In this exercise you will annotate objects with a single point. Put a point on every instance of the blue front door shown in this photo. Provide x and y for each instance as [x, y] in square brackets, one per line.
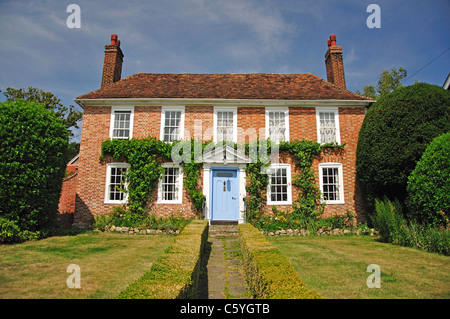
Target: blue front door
[225, 194]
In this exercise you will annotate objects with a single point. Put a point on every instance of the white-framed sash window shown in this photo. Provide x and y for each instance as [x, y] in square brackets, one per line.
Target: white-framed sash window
[225, 124]
[331, 183]
[116, 183]
[279, 190]
[277, 124]
[172, 123]
[327, 120]
[170, 188]
[122, 118]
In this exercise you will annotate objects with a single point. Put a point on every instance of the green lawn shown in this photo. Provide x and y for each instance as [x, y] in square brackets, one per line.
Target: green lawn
[108, 263]
[336, 267]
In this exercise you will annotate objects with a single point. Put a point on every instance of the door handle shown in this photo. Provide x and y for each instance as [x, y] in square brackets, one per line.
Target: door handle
[233, 197]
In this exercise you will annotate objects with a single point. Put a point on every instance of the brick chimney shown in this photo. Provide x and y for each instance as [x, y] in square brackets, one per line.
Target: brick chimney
[112, 67]
[334, 63]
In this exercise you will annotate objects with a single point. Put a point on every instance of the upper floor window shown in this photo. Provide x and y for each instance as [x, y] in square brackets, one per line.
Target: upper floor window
[116, 183]
[328, 125]
[277, 124]
[172, 124]
[225, 124]
[121, 122]
[279, 189]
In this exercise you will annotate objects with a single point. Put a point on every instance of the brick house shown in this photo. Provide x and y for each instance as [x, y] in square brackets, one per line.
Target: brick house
[215, 107]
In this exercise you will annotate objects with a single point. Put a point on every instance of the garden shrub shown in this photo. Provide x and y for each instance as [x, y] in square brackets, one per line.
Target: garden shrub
[33, 147]
[389, 221]
[175, 274]
[429, 184]
[394, 228]
[269, 273]
[395, 132]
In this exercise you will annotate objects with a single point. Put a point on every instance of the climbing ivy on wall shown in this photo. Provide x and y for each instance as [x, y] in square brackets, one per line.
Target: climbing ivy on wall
[146, 156]
[307, 207]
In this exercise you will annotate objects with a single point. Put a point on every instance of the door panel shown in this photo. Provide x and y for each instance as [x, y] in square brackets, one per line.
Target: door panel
[225, 195]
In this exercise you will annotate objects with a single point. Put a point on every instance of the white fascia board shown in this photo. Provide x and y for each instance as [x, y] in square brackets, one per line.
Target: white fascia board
[221, 102]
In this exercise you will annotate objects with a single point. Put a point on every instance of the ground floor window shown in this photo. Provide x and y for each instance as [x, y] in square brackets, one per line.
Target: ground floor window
[331, 183]
[279, 188]
[116, 183]
[171, 184]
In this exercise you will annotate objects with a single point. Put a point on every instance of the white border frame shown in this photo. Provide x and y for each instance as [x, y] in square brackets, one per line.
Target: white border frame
[180, 185]
[107, 182]
[235, 126]
[163, 120]
[286, 120]
[289, 184]
[335, 110]
[341, 182]
[112, 119]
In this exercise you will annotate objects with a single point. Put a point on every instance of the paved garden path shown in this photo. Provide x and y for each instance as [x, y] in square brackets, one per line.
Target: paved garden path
[222, 275]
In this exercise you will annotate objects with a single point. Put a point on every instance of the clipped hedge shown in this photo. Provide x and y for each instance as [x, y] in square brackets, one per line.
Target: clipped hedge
[269, 273]
[429, 184]
[175, 274]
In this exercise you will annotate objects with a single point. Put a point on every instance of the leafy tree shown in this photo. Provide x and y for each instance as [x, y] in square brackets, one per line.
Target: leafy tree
[395, 133]
[69, 116]
[387, 83]
[33, 146]
[429, 184]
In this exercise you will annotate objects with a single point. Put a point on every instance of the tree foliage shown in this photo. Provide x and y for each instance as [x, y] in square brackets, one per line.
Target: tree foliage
[33, 146]
[395, 133]
[429, 184]
[68, 115]
[387, 83]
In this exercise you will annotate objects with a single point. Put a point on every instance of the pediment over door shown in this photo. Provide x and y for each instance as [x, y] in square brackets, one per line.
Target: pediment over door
[225, 154]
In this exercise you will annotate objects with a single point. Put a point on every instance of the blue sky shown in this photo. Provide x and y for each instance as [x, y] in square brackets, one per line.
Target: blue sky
[233, 36]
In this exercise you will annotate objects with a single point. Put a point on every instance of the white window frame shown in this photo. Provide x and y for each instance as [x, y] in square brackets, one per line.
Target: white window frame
[226, 109]
[114, 109]
[334, 110]
[164, 109]
[341, 199]
[289, 185]
[180, 185]
[108, 182]
[284, 110]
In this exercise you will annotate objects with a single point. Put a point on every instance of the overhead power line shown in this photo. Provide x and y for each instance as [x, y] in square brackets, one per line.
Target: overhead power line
[426, 65]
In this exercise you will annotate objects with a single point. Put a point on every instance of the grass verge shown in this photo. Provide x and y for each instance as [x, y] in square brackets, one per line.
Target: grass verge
[336, 267]
[108, 263]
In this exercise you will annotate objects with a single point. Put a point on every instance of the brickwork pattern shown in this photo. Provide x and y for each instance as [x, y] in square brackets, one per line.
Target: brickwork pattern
[147, 120]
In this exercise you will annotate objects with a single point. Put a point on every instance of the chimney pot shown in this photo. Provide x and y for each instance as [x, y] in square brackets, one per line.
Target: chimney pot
[114, 39]
[332, 40]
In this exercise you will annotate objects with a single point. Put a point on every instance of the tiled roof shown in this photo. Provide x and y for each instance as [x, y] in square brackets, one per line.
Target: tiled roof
[224, 86]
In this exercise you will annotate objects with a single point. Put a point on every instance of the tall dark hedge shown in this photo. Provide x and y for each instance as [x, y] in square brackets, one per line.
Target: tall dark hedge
[395, 133]
[429, 184]
[33, 147]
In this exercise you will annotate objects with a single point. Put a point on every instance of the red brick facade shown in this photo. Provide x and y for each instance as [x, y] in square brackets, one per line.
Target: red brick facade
[302, 95]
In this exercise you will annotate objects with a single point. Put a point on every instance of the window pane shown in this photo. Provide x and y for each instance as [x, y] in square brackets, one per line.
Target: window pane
[117, 183]
[170, 182]
[122, 124]
[327, 127]
[330, 180]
